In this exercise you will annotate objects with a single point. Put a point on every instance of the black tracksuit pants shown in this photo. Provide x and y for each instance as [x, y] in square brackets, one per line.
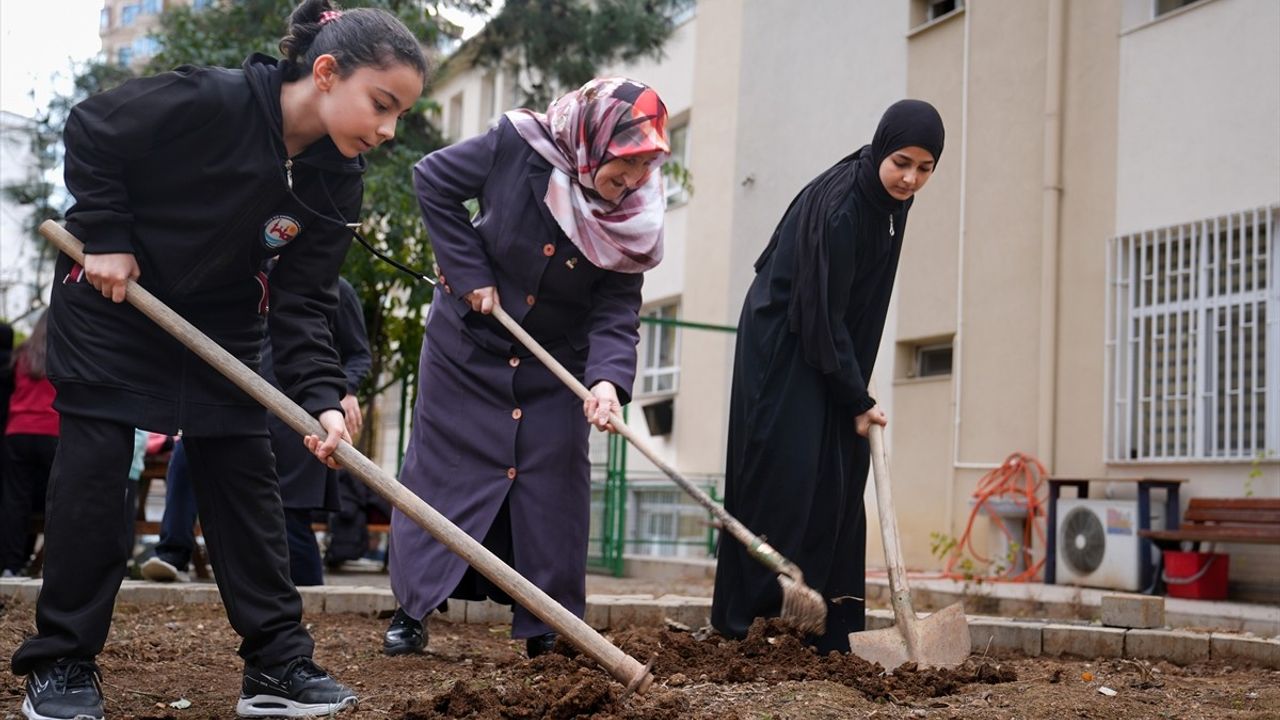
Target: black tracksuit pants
[87, 523]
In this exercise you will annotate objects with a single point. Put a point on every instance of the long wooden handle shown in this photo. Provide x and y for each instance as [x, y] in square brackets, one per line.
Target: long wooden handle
[899, 591]
[760, 549]
[621, 666]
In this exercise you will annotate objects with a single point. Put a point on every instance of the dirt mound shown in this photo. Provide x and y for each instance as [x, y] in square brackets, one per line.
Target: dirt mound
[564, 684]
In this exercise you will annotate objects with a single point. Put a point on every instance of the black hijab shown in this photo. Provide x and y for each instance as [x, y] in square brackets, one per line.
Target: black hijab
[906, 123]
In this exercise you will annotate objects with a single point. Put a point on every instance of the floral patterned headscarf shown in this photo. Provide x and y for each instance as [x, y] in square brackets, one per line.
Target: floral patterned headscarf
[605, 119]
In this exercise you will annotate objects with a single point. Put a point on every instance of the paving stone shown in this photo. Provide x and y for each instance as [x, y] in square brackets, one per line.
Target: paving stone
[148, 593]
[487, 612]
[693, 612]
[312, 600]
[879, 619]
[1128, 610]
[456, 612]
[998, 636]
[633, 611]
[199, 594]
[597, 613]
[1086, 641]
[362, 600]
[1179, 647]
[1236, 648]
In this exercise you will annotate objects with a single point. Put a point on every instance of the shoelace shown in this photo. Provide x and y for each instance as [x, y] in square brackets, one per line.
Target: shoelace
[305, 667]
[76, 674]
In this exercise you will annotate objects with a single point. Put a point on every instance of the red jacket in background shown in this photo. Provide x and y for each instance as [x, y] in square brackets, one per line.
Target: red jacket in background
[31, 405]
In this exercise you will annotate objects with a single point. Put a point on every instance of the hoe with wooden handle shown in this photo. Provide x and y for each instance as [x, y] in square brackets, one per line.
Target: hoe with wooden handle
[624, 668]
[939, 640]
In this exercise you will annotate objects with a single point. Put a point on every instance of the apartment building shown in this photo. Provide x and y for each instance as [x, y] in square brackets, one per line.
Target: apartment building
[1096, 153]
[126, 26]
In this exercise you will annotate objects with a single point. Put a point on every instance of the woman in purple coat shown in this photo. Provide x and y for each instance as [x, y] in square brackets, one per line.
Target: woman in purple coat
[571, 213]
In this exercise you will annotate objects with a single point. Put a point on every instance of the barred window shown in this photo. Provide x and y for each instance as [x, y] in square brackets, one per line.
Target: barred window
[1193, 341]
[659, 350]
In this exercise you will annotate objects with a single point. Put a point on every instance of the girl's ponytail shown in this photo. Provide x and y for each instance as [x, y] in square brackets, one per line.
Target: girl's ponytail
[355, 38]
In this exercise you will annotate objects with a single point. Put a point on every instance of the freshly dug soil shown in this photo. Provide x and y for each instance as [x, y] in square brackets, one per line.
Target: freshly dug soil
[161, 655]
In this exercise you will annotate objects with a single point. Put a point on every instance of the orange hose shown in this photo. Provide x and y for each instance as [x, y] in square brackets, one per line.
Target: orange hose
[1020, 479]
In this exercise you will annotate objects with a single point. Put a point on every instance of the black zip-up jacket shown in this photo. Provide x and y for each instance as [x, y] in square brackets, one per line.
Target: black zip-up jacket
[188, 171]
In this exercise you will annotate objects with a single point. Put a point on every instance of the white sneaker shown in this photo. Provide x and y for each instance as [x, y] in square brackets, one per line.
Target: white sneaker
[158, 570]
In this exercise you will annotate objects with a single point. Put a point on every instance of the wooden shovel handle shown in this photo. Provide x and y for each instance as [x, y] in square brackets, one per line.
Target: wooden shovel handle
[759, 549]
[621, 666]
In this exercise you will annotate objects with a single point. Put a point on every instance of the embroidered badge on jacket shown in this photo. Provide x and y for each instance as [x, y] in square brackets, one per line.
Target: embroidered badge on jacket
[280, 230]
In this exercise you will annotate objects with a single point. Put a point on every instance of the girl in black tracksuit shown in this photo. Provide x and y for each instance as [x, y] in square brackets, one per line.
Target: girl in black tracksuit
[187, 181]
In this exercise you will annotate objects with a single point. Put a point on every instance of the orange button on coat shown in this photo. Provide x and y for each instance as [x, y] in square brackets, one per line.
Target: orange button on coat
[514, 362]
[548, 249]
[517, 414]
[511, 473]
[530, 300]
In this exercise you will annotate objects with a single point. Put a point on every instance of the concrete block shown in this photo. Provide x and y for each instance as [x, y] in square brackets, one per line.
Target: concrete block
[1242, 648]
[488, 612]
[1128, 610]
[312, 600]
[148, 593]
[457, 612]
[597, 613]
[199, 594]
[361, 600]
[1179, 647]
[636, 613]
[879, 619]
[997, 636]
[22, 589]
[1086, 641]
[692, 612]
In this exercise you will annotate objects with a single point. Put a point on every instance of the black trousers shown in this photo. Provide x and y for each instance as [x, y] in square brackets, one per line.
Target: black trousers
[305, 567]
[87, 524]
[27, 460]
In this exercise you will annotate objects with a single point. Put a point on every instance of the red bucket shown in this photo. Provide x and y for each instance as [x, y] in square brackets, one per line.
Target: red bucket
[1196, 575]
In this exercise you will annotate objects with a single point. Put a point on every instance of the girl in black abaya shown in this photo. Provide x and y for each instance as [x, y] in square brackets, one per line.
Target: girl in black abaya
[800, 410]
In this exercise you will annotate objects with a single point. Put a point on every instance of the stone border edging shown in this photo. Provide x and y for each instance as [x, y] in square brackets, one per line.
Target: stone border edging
[988, 634]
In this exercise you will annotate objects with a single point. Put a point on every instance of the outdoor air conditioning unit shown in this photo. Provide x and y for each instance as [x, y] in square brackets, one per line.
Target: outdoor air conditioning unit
[1098, 543]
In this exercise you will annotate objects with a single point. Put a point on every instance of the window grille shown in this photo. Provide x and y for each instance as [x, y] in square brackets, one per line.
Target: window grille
[1193, 341]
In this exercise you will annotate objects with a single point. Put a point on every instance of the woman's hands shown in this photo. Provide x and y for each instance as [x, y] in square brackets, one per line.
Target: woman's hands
[863, 422]
[110, 273]
[336, 426]
[603, 403]
[481, 300]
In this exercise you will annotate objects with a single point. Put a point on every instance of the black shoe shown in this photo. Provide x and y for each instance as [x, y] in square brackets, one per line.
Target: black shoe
[298, 689]
[64, 690]
[535, 646]
[405, 635]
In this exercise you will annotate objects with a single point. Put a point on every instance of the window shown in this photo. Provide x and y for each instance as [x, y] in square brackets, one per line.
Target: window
[1168, 6]
[124, 56]
[146, 46]
[668, 523]
[200, 4]
[128, 14]
[151, 7]
[104, 19]
[455, 117]
[676, 169]
[1193, 347]
[659, 373]
[681, 11]
[926, 11]
[922, 358]
[488, 100]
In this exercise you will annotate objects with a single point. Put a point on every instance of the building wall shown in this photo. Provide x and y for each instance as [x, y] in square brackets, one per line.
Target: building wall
[1199, 114]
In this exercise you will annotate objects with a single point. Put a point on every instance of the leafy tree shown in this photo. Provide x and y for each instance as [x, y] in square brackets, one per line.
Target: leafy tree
[553, 44]
[42, 191]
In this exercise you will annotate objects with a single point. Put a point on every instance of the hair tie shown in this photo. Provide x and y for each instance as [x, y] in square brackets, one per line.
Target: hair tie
[329, 16]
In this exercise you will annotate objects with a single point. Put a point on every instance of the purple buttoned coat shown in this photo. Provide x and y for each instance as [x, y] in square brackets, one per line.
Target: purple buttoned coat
[499, 444]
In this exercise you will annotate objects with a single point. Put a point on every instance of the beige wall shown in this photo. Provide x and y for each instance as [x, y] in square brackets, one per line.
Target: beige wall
[1199, 114]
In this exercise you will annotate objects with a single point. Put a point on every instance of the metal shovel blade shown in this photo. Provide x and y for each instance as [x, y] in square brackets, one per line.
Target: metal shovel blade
[939, 640]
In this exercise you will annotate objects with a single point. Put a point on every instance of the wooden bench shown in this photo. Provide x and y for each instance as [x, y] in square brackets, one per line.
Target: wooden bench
[1223, 520]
